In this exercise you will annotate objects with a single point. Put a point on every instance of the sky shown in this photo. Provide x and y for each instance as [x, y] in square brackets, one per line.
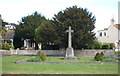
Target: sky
[104, 10]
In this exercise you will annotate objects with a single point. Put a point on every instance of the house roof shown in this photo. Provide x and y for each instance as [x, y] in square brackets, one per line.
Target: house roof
[117, 26]
[9, 35]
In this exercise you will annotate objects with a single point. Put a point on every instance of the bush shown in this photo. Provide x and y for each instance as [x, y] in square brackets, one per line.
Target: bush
[40, 57]
[112, 45]
[102, 54]
[7, 46]
[99, 56]
[117, 52]
[43, 57]
[39, 53]
[97, 45]
[36, 59]
[109, 59]
[105, 46]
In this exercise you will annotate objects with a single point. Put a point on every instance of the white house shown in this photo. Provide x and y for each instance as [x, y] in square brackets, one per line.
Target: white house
[109, 35]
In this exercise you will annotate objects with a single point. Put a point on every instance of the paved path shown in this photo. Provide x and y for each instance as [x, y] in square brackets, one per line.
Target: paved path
[4, 56]
[63, 63]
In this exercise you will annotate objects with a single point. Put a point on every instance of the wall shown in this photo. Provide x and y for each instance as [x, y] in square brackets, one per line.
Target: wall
[103, 38]
[80, 53]
[112, 34]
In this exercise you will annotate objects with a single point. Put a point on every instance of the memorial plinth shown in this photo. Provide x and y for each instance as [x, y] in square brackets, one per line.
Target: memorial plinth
[69, 50]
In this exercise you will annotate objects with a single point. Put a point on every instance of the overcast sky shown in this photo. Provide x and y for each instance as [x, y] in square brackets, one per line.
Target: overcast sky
[104, 10]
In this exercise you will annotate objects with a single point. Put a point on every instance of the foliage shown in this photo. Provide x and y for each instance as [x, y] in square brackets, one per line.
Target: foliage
[81, 21]
[105, 59]
[7, 46]
[117, 52]
[99, 56]
[112, 45]
[39, 53]
[40, 57]
[35, 59]
[105, 46]
[97, 45]
[46, 34]
[3, 31]
[102, 54]
[26, 29]
[43, 56]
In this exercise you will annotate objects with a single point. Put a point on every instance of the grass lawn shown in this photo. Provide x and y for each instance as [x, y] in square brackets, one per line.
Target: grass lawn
[11, 68]
[0, 55]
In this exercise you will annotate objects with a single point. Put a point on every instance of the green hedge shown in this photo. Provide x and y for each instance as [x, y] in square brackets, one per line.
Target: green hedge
[97, 45]
[106, 46]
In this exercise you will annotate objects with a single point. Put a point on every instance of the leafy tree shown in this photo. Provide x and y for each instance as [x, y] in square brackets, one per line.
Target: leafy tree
[46, 34]
[82, 22]
[26, 29]
[3, 31]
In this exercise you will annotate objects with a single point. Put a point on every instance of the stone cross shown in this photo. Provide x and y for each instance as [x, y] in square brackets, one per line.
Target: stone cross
[69, 50]
[69, 36]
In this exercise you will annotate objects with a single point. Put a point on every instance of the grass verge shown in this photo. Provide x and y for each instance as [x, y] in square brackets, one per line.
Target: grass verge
[8, 67]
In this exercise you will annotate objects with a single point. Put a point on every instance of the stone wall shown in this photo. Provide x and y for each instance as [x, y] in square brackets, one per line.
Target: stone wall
[92, 53]
[80, 53]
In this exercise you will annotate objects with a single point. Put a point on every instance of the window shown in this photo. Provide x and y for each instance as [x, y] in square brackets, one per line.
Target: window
[100, 33]
[104, 33]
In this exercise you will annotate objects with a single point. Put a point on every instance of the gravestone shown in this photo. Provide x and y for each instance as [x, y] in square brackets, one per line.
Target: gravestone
[69, 50]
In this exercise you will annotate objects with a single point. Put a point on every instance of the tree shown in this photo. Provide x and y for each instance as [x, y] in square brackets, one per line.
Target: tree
[81, 21]
[26, 29]
[3, 31]
[46, 35]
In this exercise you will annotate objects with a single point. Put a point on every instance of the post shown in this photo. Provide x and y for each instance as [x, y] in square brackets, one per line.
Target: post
[119, 26]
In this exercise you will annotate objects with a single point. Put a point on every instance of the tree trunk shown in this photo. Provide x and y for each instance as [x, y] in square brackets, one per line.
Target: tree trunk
[36, 46]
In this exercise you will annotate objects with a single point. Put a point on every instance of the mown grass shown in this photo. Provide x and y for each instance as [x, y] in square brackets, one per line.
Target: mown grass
[12, 68]
[0, 55]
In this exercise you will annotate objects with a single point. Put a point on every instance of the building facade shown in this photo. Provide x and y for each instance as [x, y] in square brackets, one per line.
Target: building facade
[109, 35]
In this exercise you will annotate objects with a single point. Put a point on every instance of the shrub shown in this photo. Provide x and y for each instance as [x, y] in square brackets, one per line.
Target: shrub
[39, 53]
[7, 46]
[40, 57]
[105, 46]
[102, 54]
[43, 56]
[97, 45]
[117, 52]
[99, 56]
[36, 59]
[112, 45]
[109, 59]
